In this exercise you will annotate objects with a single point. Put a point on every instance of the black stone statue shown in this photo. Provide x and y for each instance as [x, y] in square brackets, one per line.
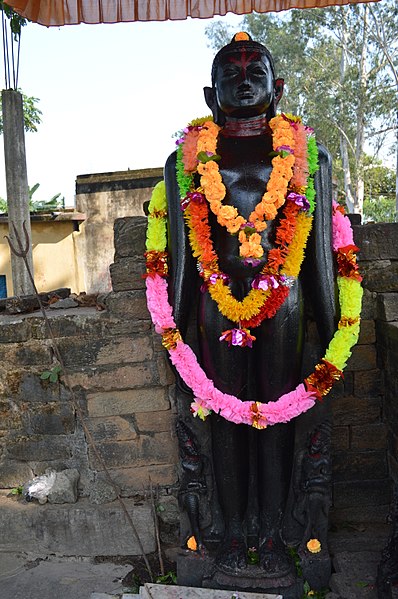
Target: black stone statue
[252, 469]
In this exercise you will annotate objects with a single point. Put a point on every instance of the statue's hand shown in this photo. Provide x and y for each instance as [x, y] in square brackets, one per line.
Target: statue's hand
[181, 385]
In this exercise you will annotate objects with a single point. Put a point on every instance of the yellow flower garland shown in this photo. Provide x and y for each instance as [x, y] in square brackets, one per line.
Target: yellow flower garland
[273, 198]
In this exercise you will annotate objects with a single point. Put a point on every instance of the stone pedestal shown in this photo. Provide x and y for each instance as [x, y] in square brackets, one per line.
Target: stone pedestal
[198, 571]
[159, 591]
[316, 568]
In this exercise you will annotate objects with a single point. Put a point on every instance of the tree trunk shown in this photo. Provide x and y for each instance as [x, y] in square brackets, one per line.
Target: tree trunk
[348, 189]
[349, 196]
[17, 186]
[359, 142]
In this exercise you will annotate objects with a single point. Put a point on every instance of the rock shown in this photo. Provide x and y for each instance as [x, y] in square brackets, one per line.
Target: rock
[168, 510]
[80, 529]
[64, 489]
[21, 305]
[62, 304]
[101, 491]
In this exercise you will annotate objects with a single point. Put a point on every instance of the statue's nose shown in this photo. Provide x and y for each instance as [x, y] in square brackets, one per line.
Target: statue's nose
[244, 83]
[243, 78]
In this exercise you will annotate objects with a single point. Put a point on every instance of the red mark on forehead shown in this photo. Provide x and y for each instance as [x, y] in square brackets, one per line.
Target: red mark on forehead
[245, 59]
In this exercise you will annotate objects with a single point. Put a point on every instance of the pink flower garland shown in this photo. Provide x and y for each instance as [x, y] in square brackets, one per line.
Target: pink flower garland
[342, 231]
[207, 396]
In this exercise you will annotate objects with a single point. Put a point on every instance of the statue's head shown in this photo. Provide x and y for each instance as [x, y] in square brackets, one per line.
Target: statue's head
[243, 81]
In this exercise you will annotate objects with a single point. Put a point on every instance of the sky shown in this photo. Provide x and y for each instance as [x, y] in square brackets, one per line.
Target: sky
[112, 96]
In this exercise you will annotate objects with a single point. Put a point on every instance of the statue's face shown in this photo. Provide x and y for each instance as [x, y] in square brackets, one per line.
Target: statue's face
[244, 83]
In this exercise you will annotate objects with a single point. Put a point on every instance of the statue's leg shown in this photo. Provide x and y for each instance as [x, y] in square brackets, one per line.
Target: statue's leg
[278, 359]
[227, 367]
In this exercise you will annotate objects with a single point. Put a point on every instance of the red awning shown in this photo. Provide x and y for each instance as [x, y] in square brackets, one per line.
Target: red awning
[73, 12]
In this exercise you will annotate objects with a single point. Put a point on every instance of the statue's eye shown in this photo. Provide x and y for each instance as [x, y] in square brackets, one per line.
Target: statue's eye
[257, 70]
[230, 71]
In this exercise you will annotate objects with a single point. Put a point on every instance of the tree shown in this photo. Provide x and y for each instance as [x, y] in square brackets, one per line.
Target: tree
[31, 113]
[12, 41]
[339, 78]
[379, 196]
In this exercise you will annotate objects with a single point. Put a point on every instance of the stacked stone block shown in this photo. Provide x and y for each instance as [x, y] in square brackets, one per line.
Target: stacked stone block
[121, 379]
[124, 384]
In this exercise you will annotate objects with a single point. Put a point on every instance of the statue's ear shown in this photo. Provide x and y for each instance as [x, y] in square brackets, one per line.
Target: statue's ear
[279, 85]
[211, 101]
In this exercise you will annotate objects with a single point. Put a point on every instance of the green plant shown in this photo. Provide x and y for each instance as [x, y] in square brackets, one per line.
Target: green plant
[52, 375]
[296, 559]
[252, 556]
[16, 21]
[308, 592]
[134, 587]
[17, 490]
[169, 577]
[31, 113]
[379, 210]
[56, 202]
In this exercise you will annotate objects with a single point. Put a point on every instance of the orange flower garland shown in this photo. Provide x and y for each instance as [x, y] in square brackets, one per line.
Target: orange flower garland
[254, 307]
[273, 198]
[271, 286]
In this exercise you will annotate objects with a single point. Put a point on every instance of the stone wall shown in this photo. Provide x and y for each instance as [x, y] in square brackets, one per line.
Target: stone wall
[362, 467]
[120, 377]
[361, 463]
[122, 380]
[105, 197]
[380, 266]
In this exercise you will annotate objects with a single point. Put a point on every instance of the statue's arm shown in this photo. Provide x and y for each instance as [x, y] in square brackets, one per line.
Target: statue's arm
[182, 279]
[318, 267]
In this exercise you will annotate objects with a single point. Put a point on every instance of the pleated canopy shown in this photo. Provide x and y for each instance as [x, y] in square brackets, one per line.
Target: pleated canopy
[73, 12]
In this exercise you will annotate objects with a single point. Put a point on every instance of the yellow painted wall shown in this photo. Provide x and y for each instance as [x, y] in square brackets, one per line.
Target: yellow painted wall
[54, 256]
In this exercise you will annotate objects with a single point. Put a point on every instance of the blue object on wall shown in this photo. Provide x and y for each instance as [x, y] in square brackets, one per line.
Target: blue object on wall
[3, 286]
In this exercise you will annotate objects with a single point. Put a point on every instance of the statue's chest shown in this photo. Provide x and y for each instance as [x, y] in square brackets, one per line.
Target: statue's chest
[245, 169]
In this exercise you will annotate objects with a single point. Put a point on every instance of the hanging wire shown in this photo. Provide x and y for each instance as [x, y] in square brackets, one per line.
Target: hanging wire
[17, 69]
[5, 51]
[11, 44]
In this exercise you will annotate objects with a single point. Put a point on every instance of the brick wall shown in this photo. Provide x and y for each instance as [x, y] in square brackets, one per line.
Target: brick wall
[362, 425]
[120, 375]
[125, 386]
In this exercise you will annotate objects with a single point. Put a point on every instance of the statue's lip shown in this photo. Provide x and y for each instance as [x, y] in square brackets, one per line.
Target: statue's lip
[244, 94]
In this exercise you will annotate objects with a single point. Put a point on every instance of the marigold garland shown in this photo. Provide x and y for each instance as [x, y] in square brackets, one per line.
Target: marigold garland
[288, 137]
[284, 261]
[259, 415]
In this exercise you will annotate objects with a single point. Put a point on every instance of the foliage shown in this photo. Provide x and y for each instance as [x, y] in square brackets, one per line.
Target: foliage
[379, 180]
[54, 203]
[296, 560]
[379, 203]
[16, 21]
[134, 586]
[308, 592]
[169, 577]
[341, 71]
[380, 210]
[52, 375]
[57, 202]
[31, 112]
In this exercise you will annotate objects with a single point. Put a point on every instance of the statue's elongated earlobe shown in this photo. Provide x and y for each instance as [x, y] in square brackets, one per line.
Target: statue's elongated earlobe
[279, 85]
[211, 101]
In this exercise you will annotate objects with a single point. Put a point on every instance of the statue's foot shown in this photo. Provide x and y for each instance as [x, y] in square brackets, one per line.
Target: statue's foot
[232, 556]
[275, 561]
